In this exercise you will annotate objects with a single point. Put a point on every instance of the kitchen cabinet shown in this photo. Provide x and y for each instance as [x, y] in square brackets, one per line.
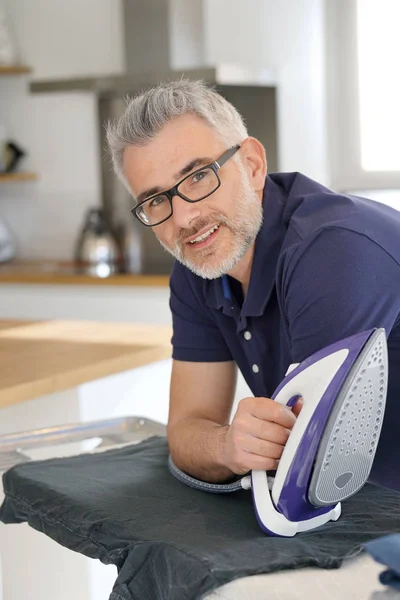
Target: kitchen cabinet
[55, 290]
[99, 302]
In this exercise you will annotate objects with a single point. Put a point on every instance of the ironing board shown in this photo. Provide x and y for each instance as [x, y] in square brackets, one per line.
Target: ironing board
[357, 578]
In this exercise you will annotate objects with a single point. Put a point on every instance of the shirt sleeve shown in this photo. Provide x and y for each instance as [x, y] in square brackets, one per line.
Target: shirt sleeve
[196, 336]
[341, 284]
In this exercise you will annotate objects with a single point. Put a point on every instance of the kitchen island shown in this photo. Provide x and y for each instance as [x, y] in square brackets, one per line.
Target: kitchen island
[39, 358]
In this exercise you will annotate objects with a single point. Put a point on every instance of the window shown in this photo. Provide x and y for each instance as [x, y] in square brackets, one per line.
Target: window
[378, 44]
[363, 77]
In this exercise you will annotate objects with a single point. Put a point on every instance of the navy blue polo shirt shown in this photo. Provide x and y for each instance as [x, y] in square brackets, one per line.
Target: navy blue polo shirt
[326, 266]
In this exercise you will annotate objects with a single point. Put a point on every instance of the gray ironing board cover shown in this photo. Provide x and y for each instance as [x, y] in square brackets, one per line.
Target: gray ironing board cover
[170, 541]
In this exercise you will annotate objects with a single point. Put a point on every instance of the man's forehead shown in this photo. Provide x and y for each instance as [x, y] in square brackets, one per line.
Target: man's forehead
[184, 133]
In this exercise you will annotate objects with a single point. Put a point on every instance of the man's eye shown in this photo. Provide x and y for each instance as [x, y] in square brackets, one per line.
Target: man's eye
[199, 176]
[157, 201]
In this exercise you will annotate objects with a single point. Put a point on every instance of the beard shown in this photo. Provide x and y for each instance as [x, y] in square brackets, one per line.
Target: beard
[243, 226]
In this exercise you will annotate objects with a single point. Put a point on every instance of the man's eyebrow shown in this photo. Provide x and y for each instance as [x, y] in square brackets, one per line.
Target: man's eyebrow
[196, 162]
[148, 193]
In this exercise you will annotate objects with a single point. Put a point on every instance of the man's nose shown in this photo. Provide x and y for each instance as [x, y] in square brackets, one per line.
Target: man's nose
[184, 212]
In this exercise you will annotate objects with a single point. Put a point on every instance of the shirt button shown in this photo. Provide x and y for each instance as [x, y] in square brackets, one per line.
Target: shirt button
[247, 335]
[255, 368]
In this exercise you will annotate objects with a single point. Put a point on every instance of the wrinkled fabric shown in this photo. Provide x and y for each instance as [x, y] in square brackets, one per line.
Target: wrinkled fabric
[386, 550]
[169, 541]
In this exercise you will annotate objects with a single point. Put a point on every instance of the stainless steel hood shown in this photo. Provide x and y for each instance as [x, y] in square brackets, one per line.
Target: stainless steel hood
[122, 84]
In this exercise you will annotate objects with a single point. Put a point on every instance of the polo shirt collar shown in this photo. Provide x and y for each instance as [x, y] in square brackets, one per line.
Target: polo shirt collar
[266, 252]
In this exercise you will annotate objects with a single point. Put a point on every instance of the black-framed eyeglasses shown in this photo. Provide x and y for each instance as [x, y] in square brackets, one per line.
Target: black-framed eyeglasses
[194, 187]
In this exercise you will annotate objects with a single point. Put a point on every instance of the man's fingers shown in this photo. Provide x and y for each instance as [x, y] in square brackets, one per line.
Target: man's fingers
[259, 463]
[267, 430]
[264, 448]
[269, 410]
[297, 407]
[258, 434]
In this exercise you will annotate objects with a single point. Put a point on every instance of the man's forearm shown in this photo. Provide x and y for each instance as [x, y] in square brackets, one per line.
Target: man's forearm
[197, 448]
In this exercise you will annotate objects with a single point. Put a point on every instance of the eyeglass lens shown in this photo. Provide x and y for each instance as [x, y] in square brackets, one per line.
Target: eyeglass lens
[195, 187]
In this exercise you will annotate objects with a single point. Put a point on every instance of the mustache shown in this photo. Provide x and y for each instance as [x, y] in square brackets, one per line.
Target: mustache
[185, 234]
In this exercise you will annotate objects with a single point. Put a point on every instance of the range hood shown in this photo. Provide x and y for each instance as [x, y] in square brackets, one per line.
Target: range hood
[163, 40]
[223, 74]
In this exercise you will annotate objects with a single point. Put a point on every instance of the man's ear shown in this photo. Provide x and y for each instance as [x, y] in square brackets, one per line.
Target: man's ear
[255, 162]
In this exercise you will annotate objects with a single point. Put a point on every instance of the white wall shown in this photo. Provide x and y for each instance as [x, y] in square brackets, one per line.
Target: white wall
[62, 39]
[289, 37]
[186, 27]
[57, 39]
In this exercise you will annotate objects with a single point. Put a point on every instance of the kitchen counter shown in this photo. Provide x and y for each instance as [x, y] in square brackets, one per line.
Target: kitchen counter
[43, 357]
[64, 273]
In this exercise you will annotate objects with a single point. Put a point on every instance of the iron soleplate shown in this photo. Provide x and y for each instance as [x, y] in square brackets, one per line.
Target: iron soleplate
[348, 445]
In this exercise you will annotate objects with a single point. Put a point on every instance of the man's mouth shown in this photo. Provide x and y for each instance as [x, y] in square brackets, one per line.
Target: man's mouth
[204, 236]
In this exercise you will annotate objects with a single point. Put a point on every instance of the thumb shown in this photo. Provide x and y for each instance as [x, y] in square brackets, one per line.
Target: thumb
[297, 407]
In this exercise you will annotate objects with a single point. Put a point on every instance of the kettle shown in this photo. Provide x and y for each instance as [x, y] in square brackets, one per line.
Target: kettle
[97, 252]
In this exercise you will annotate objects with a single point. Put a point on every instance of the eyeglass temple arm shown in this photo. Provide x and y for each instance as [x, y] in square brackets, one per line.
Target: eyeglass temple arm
[227, 155]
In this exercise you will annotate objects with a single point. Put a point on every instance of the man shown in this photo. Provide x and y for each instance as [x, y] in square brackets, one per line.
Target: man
[269, 269]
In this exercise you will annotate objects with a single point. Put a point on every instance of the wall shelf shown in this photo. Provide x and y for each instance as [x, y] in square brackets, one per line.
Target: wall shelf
[14, 177]
[14, 70]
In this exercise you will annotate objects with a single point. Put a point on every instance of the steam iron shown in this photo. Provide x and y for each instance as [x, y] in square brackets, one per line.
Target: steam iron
[331, 448]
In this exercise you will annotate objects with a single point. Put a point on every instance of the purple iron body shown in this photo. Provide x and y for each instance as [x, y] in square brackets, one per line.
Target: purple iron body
[330, 451]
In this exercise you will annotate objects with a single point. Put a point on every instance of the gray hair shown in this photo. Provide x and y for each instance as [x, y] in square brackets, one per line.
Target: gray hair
[147, 113]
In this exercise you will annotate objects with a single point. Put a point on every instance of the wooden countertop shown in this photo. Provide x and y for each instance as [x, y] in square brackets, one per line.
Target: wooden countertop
[42, 357]
[63, 273]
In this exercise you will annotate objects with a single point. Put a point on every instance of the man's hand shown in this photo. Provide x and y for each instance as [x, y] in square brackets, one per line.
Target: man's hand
[258, 434]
